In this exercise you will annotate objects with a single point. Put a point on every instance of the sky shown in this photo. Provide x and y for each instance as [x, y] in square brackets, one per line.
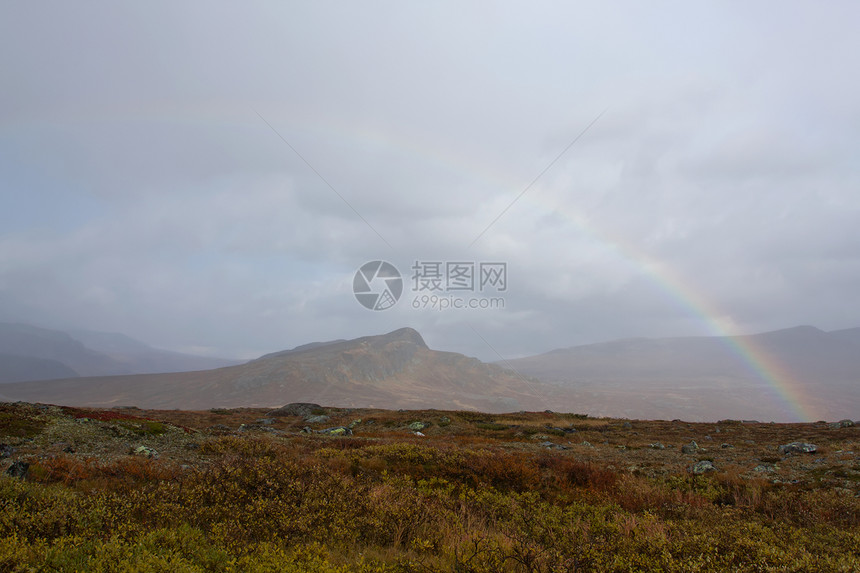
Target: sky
[208, 177]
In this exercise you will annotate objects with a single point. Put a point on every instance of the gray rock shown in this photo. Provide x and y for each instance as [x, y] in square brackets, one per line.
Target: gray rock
[587, 444]
[321, 419]
[841, 424]
[265, 421]
[418, 426]
[18, 470]
[765, 469]
[690, 448]
[337, 431]
[553, 446]
[307, 430]
[702, 467]
[797, 448]
[657, 446]
[146, 451]
[296, 409]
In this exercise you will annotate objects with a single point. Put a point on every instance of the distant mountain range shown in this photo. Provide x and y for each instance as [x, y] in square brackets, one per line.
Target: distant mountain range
[770, 376]
[784, 375]
[32, 353]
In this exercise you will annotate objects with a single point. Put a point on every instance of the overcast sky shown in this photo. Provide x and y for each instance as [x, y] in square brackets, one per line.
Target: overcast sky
[148, 184]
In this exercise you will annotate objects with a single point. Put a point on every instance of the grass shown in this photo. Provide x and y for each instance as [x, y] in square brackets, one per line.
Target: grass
[460, 500]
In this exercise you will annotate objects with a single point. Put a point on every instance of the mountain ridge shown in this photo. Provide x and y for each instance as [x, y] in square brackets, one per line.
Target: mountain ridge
[392, 370]
[772, 375]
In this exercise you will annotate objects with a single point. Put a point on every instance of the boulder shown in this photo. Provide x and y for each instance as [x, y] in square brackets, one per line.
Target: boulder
[146, 451]
[317, 419]
[337, 431]
[702, 467]
[553, 446]
[18, 470]
[797, 448]
[418, 426]
[690, 448]
[297, 409]
[841, 424]
[657, 446]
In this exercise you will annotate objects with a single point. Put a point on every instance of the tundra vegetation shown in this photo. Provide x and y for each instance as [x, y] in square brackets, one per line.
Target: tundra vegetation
[235, 490]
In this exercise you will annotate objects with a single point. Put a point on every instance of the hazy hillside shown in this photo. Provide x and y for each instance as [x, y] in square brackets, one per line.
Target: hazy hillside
[394, 370]
[139, 358]
[23, 340]
[15, 368]
[705, 378]
[32, 353]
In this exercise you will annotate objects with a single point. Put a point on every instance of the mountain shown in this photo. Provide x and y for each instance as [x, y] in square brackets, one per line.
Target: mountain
[756, 376]
[394, 370]
[33, 353]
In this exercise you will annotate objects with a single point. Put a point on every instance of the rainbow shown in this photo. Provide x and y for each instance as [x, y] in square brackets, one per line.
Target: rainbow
[683, 295]
[669, 281]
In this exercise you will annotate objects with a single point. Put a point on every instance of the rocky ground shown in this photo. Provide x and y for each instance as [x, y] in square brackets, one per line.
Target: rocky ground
[812, 455]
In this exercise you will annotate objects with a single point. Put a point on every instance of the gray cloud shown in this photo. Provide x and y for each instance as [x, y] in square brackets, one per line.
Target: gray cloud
[142, 193]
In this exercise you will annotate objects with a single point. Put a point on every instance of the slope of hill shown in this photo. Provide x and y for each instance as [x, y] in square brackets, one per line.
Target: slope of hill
[708, 378]
[395, 370]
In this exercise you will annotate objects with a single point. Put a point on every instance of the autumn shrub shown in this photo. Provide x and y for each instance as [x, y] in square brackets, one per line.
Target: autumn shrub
[568, 471]
[317, 504]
